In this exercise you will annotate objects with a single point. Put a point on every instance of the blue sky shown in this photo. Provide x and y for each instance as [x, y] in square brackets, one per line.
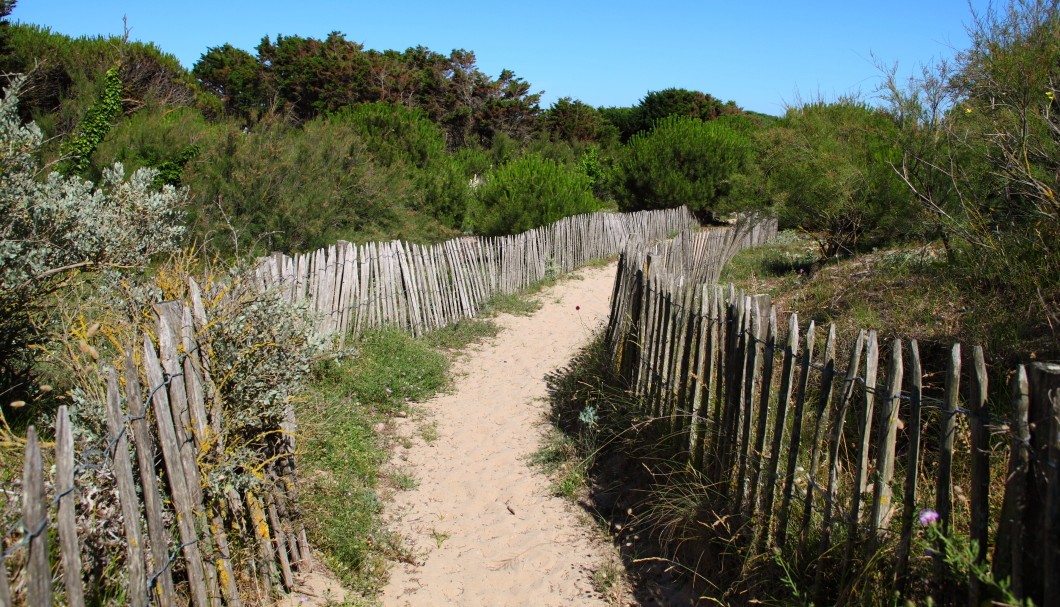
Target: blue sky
[762, 55]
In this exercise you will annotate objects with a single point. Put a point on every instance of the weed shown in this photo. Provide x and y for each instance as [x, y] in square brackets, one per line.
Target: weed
[439, 537]
[403, 480]
[516, 304]
[429, 431]
[607, 577]
[461, 334]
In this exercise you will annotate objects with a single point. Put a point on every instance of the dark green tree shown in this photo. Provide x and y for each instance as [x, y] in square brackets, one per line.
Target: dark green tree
[313, 76]
[571, 120]
[235, 76]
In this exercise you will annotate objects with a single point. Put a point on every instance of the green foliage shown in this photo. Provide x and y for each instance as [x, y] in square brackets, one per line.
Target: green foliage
[169, 171]
[394, 369]
[290, 189]
[829, 170]
[657, 105]
[340, 458]
[527, 193]
[96, 123]
[65, 76]
[571, 120]
[341, 452]
[235, 76]
[980, 143]
[164, 139]
[408, 143]
[682, 161]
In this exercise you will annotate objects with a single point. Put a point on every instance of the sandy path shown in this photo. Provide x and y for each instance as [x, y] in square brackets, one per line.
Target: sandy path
[481, 523]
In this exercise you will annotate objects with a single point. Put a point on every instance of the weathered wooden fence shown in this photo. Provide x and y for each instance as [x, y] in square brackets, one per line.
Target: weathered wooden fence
[163, 414]
[419, 288]
[173, 415]
[827, 462]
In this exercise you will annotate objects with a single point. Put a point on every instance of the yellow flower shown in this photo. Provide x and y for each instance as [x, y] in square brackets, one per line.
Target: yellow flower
[967, 110]
[1050, 95]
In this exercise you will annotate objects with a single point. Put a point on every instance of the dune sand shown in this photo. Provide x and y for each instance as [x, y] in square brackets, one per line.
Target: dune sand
[481, 525]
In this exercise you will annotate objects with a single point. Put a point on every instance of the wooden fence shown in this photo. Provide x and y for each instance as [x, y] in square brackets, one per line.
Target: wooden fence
[172, 409]
[419, 288]
[833, 468]
[207, 546]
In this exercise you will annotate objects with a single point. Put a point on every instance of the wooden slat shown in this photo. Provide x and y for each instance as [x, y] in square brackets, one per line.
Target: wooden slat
[1012, 530]
[176, 475]
[64, 481]
[787, 382]
[170, 317]
[749, 375]
[882, 505]
[163, 592]
[1044, 386]
[980, 469]
[944, 480]
[5, 585]
[836, 435]
[912, 465]
[861, 471]
[35, 518]
[122, 464]
[762, 415]
[795, 444]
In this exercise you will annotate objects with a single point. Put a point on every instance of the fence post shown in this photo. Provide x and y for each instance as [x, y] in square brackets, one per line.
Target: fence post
[765, 390]
[980, 493]
[5, 586]
[145, 457]
[872, 359]
[35, 519]
[912, 464]
[805, 362]
[786, 387]
[178, 482]
[1044, 380]
[64, 487]
[944, 484]
[882, 505]
[836, 435]
[824, 402]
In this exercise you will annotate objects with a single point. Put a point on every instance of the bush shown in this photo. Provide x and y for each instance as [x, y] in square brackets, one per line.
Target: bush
[682, 161]
[527, 193]
[406, 141]
[284, 188]
[59, 225]
[829, 170]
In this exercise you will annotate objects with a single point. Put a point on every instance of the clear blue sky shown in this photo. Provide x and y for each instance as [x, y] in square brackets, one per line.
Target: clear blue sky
[762, 55]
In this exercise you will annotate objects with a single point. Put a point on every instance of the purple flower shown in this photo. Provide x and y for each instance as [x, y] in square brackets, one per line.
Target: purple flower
[928, 517]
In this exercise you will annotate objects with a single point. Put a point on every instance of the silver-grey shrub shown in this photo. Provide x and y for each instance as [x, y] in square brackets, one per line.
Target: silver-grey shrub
[54, 225]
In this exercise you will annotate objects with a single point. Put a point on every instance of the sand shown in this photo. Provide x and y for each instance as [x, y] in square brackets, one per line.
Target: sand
[481, 525]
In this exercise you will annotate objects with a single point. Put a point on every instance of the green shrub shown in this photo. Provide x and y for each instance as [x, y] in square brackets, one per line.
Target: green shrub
[527, 193]
[59, 225]
[682, 161]
[284, 188]
[159, 138]
[830, 171]
[406, 141]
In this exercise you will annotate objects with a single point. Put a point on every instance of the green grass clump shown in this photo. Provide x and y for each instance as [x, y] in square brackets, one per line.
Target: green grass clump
[393, 368]
[339, 472]
[461, 334]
